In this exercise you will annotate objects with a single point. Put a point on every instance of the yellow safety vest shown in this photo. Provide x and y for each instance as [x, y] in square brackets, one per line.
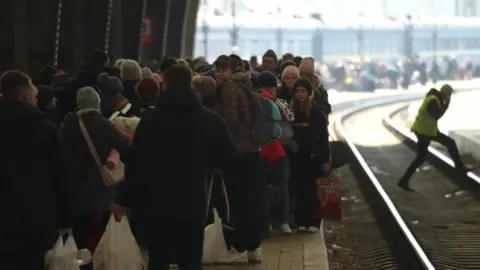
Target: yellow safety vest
[425, 124]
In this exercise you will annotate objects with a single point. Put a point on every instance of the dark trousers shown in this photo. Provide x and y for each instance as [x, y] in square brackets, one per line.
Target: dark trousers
[25, 250]
[264, 208]
[422, 151]
[219, 198]
[88, 230]
[246, 188]
[291, 184]
[304, 190]
[277, 178]
[173, 237]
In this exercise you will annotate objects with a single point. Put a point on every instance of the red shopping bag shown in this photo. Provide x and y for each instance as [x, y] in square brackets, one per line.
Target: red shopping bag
[329, 198]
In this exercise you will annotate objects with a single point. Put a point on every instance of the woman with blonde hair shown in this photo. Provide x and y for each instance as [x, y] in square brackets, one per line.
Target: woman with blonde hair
[312, 159]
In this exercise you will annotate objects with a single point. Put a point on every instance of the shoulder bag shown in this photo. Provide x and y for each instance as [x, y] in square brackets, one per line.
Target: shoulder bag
[110, 177]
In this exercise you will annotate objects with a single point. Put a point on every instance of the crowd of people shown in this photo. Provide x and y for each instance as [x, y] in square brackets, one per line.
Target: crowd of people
[247, 140]
[370, 75]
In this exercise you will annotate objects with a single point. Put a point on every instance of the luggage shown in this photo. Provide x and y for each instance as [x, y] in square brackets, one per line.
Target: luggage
[340, 154]
[118, 249]
[329, 198]
[215, 248]
[66, 256]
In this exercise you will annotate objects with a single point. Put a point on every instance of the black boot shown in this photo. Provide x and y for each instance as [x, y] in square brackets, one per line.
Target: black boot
[405, 186]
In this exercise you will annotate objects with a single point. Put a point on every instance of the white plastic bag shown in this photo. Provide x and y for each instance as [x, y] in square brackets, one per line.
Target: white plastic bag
[214, 246]
[63, 256]
[118, 249]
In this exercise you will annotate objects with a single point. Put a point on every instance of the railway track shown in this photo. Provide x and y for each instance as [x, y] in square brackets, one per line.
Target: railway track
[434, 228]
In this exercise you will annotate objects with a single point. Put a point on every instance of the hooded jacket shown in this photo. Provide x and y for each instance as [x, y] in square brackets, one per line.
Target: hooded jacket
[172, 149]
[433, 108]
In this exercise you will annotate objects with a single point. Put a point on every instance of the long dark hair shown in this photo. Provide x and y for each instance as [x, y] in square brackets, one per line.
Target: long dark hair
[303, 108]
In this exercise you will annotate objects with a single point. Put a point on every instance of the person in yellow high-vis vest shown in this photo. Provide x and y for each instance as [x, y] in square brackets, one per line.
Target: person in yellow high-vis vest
[425, 128]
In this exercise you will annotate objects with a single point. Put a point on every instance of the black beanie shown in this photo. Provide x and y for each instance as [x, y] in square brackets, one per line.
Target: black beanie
[272, 54]
[235, 63]
[267, 79]
[167, 63]
[302, 82]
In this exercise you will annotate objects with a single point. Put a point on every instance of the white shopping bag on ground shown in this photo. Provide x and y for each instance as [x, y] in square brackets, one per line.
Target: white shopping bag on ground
[118, 249]
[214, 246]
[63, 256]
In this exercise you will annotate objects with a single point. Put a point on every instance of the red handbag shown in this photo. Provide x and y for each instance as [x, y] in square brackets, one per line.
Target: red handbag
[329, 198]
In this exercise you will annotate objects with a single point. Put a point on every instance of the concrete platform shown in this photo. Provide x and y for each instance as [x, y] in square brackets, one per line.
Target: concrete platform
[307, 251]
[460, 122]
[291, 252]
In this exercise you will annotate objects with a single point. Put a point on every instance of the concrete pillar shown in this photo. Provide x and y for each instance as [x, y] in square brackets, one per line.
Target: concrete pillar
[6, 37]
[175, 26]
[156, 11]
[189, 30]
[20, 34]
[132, 12]
[77, 34]
[116, 37]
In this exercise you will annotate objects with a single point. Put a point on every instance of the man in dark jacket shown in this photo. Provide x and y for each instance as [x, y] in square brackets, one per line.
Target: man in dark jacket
[86, 76]
[35, 185]
[425, 128]
[165, 183]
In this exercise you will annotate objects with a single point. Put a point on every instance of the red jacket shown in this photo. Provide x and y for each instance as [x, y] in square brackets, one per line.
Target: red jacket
[274, 151]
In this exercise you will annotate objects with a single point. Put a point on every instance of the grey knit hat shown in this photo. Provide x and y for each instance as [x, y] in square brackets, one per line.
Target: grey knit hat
[88, 98]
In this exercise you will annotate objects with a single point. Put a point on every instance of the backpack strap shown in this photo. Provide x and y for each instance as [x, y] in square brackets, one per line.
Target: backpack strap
[123, 111]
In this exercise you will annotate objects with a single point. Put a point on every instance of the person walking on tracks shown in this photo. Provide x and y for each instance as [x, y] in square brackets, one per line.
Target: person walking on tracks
[425, 128]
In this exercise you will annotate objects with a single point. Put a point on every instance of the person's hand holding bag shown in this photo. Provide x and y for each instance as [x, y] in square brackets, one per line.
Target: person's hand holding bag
[323, 163]
[325, 167]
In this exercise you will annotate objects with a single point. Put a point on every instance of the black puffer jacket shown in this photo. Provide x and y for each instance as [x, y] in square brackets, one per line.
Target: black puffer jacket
[311, 133]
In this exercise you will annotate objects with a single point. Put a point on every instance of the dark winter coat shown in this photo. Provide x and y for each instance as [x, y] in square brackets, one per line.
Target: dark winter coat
[173, 147]
[36, 186]
[66, 92]
[311, 134]
[91, 194]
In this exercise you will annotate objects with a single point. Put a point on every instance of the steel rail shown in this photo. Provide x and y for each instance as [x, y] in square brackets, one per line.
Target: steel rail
[409, 237]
